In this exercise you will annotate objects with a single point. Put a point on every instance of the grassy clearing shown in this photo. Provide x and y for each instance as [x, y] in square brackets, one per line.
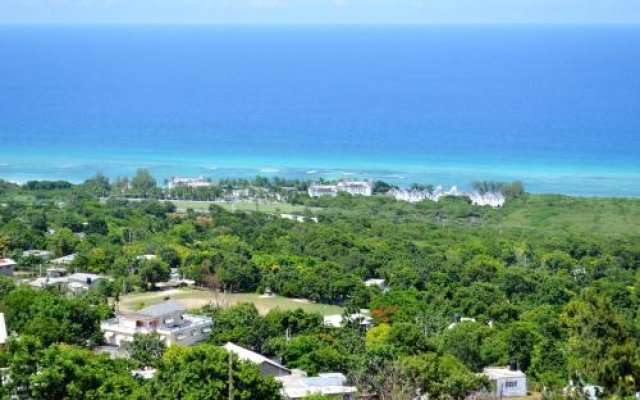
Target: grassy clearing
[600, 216]
[271, 208]
[194, 299]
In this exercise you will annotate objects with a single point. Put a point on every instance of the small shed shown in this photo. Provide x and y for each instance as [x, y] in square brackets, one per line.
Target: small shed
[507, 381]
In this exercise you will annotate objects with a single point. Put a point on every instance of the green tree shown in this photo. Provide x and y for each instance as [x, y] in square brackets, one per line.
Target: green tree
[440, 377]
[146, 349]
[63, 242]
[464, 342]
[143, 182]
[202, 372]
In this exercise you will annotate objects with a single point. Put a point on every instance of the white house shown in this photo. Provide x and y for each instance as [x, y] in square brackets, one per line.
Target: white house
[168, 319]
[506, 381]
[338, 320]
[59, 284]
[381, 283]
[6, 266]
[81, 282]
[3, 330]
[333, 385]
[268, 367]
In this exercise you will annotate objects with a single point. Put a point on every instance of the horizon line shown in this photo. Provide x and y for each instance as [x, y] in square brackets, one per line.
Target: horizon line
[316, 24]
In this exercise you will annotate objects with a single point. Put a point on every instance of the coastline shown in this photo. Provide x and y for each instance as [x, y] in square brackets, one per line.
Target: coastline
[579, 182]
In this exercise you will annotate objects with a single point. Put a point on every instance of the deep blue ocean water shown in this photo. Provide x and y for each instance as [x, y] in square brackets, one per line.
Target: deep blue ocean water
[556, 107]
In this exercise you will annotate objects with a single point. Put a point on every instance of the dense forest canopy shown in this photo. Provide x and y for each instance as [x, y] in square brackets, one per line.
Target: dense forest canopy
[550, 281]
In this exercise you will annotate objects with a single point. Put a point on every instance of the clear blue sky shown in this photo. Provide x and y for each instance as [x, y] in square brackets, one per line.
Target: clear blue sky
[319, 11]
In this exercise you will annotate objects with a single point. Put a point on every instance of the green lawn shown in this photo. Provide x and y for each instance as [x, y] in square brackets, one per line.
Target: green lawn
[194, 299]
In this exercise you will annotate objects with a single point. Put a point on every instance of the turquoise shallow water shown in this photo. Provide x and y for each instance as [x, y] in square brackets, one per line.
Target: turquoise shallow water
[556, 107]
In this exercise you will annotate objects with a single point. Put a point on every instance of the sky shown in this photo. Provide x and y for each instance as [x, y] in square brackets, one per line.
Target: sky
[319, 11]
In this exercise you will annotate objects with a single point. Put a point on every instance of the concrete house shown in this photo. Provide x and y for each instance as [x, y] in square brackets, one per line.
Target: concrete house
[80, 282]
[267, 366]
[168, 319]
[507, 381]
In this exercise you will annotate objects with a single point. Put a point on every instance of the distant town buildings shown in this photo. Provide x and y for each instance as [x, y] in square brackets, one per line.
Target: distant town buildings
[492, 199]
[361, 188]
[168, 319]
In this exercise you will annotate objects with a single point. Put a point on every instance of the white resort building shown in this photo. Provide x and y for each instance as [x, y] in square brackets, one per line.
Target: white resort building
[361, 188]
[168, 319]
[177, 181]
[492, 199]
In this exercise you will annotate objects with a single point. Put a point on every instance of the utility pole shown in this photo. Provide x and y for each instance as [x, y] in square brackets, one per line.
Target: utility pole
[230, 376]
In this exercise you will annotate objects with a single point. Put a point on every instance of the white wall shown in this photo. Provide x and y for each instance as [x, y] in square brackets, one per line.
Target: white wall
[519, 390]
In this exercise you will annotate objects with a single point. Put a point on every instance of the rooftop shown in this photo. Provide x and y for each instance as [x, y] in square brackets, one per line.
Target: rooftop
[250, 356]
[298, 386]
[6, 262]
[162, 309]
[502, 372]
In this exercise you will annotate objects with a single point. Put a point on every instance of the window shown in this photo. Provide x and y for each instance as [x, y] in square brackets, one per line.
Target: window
[512, 384]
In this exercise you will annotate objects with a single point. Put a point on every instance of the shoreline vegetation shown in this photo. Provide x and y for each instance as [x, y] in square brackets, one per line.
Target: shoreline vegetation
[547, 283]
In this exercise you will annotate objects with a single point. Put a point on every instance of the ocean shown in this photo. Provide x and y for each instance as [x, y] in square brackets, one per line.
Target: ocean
[557, 107]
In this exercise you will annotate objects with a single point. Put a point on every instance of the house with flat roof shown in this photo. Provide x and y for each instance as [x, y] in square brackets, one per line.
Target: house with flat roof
[81, 282]
[506, 381]
[268, 367]
[332, 385]
[168, 319]
[66, 260]
[59, 284]
[6, 266]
